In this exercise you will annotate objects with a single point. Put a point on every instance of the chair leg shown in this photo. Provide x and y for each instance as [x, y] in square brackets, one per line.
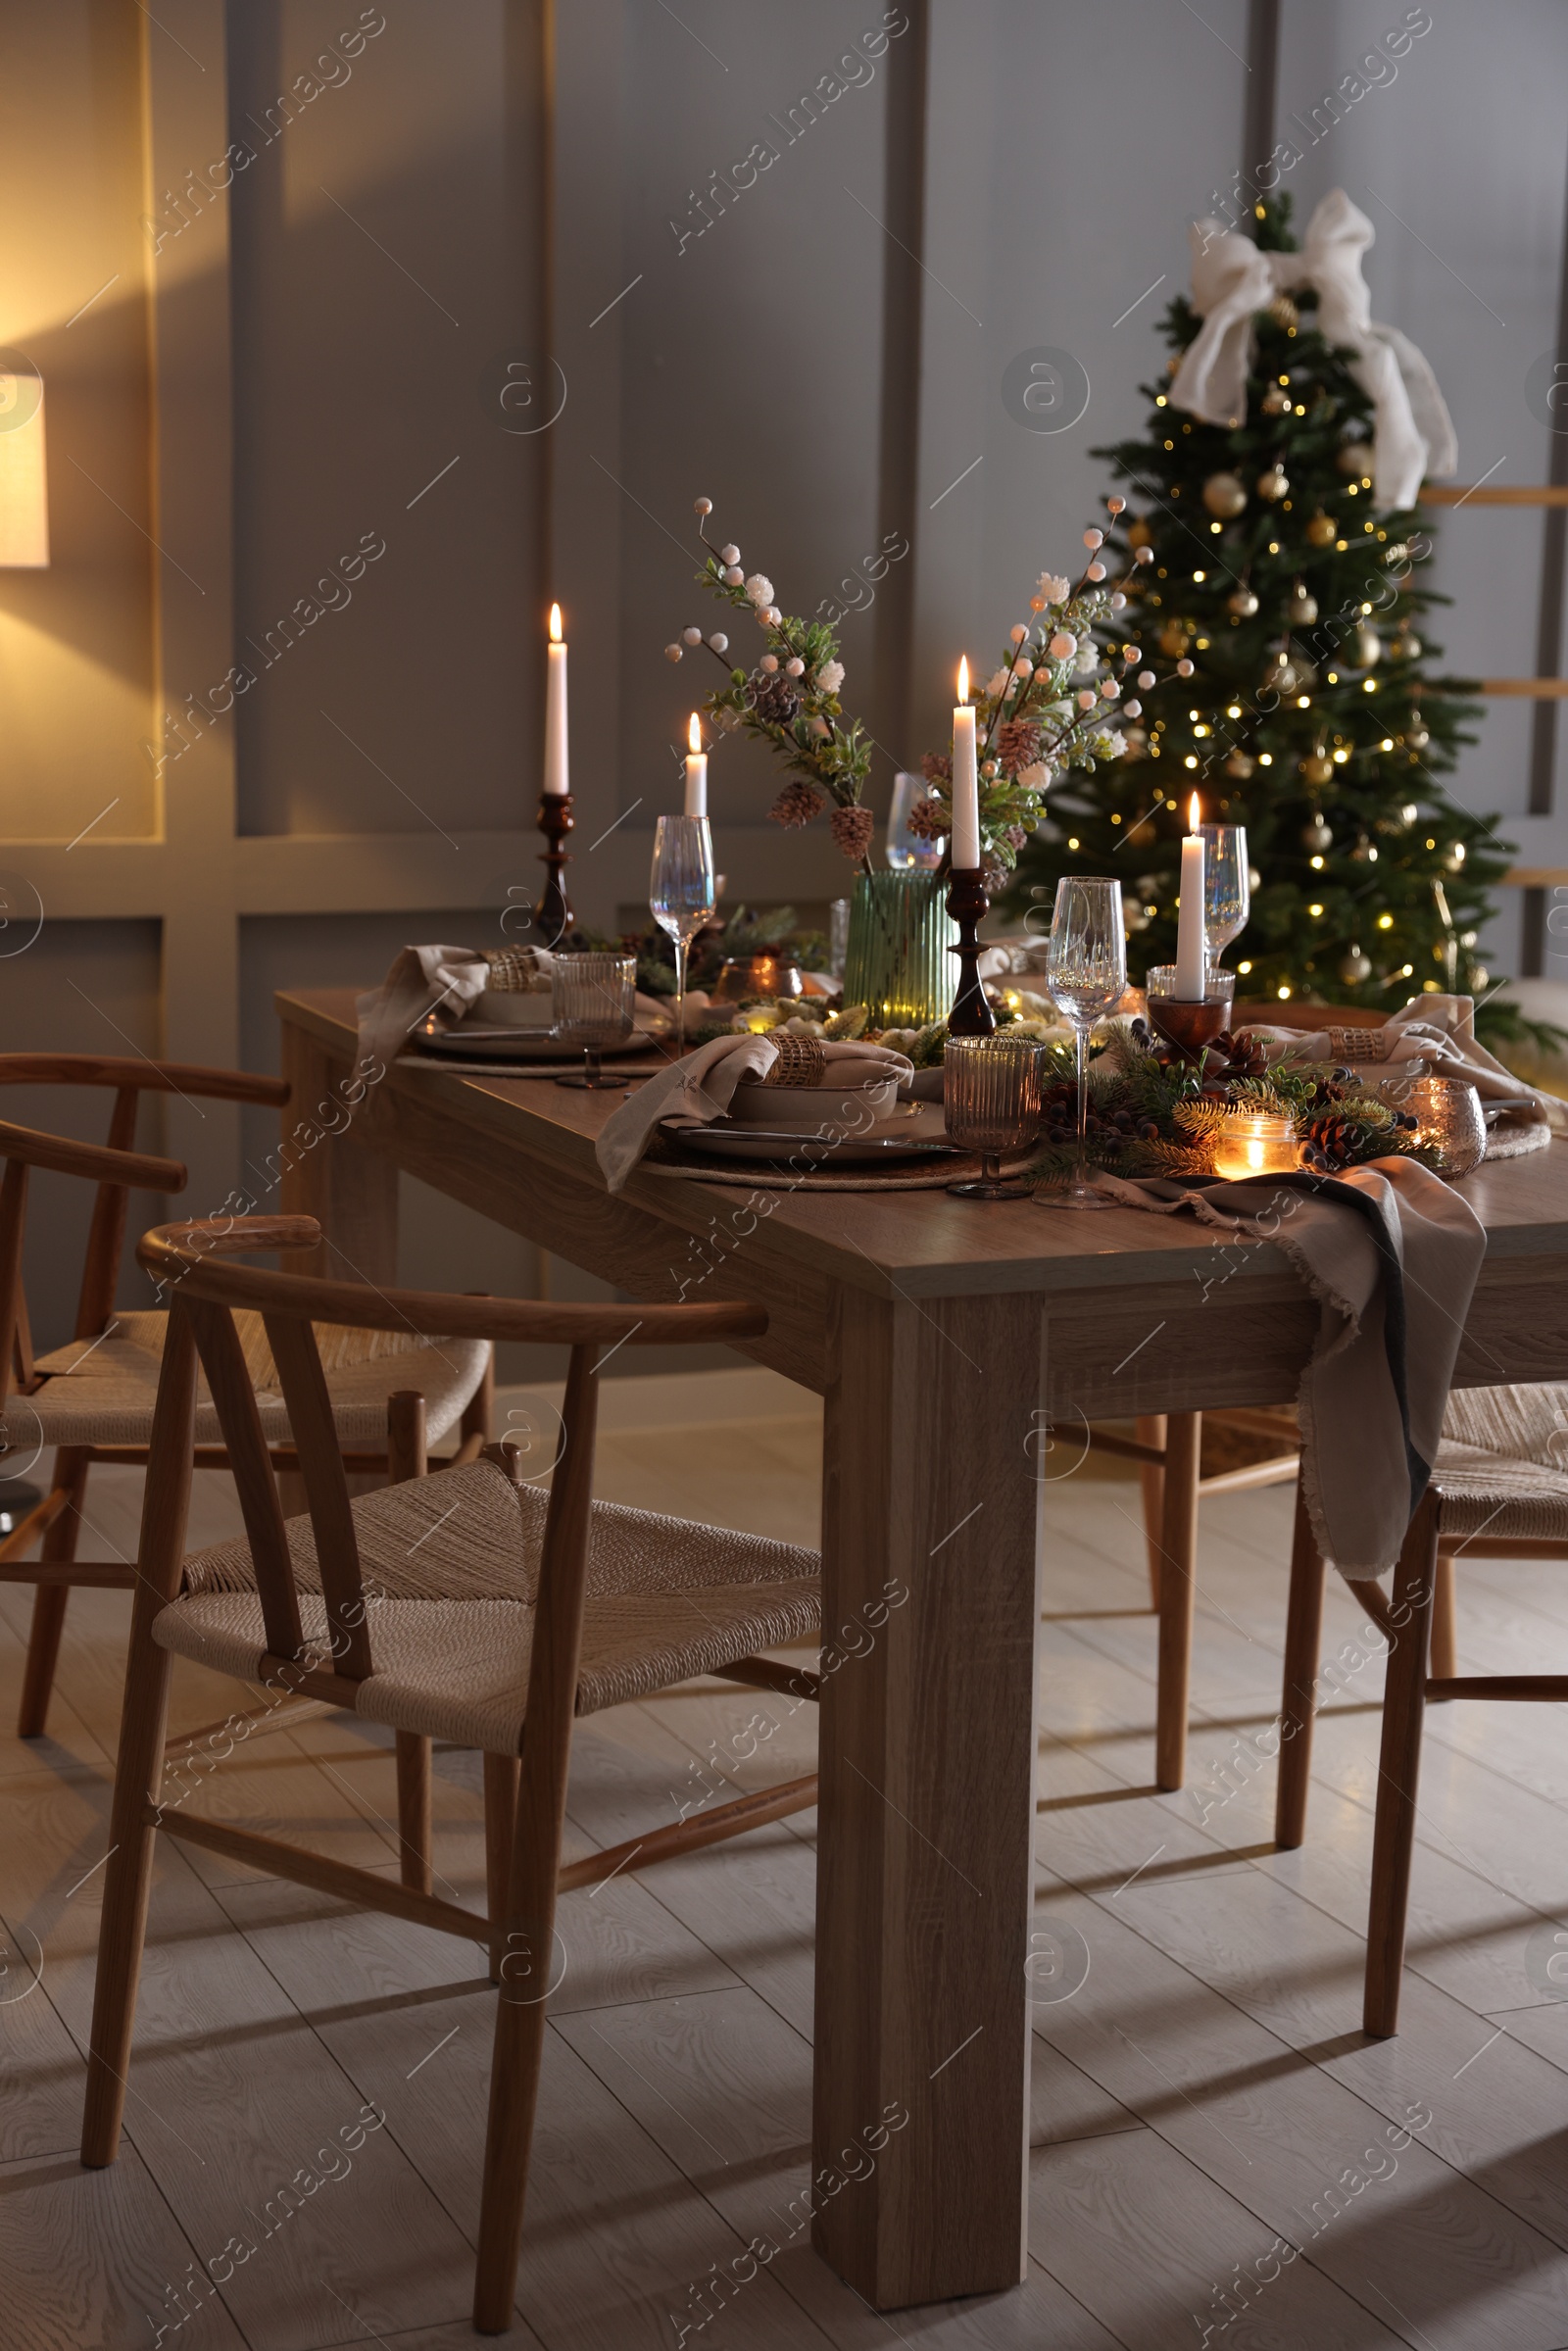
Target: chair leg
[1399, 1769]
[1178, 1563]
[1303, 1633]
[500, 1828]
[138, 1780]
[413, 1810]
[1444, 1644]
[1152, 1431]
[49, 1599]
[525, 1971]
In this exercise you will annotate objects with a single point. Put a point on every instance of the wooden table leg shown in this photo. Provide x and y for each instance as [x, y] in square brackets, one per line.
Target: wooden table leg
[919, 2140]
[1184, 1437]
[349, 1188]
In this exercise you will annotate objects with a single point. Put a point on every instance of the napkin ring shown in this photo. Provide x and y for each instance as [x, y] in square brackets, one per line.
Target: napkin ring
[513, 970]
[1359, 1044]
[798, 1061]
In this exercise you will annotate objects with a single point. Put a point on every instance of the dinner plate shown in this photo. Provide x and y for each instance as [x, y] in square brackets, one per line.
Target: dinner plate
[473, 1042]
[722, 1141]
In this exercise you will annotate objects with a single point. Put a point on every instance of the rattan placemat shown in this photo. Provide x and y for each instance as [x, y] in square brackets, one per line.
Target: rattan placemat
[661, 1160]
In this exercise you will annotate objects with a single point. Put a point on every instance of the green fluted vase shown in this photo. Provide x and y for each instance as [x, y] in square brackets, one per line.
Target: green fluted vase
[896, 961]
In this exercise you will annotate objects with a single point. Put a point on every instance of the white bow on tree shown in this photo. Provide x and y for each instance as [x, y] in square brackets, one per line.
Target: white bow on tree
[1233, 279]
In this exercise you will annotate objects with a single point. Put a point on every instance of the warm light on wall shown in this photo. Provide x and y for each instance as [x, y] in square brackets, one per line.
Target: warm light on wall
[24, 475]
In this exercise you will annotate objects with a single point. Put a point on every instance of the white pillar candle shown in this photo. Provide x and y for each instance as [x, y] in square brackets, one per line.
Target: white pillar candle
[965, 780]
[696, 771]
[1191, 959]
[557, 768]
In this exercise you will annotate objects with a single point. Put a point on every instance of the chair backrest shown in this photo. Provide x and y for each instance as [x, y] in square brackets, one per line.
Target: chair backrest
[204, 1289]
[116, 1169]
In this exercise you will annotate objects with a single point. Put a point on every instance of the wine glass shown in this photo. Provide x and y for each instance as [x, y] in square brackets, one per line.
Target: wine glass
[594, 1005]
[906, 852]
[1227, 889]
[1086, 971]
[681, 893]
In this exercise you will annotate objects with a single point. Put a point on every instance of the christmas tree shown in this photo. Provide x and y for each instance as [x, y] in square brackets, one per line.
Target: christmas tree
[1311, 714]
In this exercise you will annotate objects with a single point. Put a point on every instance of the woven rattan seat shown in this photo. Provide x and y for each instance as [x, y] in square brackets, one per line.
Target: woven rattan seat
[1502, 1468]
[102, 1391]
[451, 1566]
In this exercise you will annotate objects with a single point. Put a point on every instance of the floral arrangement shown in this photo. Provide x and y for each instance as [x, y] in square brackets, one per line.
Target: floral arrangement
[1049, 706]
[1151, 1112]
[789, 700]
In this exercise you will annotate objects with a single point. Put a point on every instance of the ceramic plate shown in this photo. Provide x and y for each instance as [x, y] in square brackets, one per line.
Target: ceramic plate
[477, 1043]
[722, 1141]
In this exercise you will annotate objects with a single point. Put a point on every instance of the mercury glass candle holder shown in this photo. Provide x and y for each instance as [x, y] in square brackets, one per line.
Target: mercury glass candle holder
[1254, 1142]
[1448, 1114]
[991, 1105]
[1189, 1024]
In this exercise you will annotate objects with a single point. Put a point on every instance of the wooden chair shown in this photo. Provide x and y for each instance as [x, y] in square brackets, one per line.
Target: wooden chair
[92, 1400]
[459, 1605]
[1499, 1486]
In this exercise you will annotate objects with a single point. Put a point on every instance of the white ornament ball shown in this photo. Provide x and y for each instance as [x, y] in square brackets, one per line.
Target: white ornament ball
[1183, 668]
[672, 653]
[769, 662]
[1017, 632]
[1094, 538]
[1146, 678]
[718, 641]
[1094, 572]
[1108, 689]
[1064, 645]
[770, 615]
[1133, 708]
[729, 554]
[734, 576]
[1145, 554]
[702, 506]
[1087, 700]
[691, 636]
[795, 667]
[1118, 602]
[1116, 506]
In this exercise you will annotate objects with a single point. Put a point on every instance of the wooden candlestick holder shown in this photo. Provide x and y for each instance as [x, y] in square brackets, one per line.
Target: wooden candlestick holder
[968, 904]
[1189, 1023]
[552, 915]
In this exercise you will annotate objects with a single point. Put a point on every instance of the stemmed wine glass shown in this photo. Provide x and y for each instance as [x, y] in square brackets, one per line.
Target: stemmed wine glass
[1086, 971]
[595, 1006]
[1227, 887]
[680, 893]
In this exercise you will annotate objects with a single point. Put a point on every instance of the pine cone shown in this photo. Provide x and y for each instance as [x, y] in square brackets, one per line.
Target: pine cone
[1247, 1056]
[773, 697]
[1018, 743]
[1328, 1141]
[796, 804]
[851, 829]
[937, 767]
[927, 820]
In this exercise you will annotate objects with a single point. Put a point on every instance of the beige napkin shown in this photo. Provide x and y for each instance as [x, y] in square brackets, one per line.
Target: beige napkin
[700, 1086]
[1391, 1253]
[1438, 1030]
[445, 981]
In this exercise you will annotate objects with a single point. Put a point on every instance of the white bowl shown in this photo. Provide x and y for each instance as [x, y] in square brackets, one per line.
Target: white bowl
[802, 1109]
[512, 1008]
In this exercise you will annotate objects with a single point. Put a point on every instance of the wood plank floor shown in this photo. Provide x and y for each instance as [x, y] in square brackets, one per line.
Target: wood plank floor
[1218, 2155]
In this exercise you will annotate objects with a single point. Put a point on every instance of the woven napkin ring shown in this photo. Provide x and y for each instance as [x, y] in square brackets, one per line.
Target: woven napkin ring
[800, 1062]
[512, 970]
[1359, 1044]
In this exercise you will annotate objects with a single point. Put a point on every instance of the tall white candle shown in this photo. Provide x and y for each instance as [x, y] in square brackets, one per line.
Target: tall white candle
[1191, 960]
[557, 768]
[696, 771]
[965, 780]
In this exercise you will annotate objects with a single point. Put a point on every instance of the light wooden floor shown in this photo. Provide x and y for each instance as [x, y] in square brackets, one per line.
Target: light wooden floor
[1219, 2156]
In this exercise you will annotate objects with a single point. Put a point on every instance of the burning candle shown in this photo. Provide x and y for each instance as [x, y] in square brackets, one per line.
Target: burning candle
[965, 780]
[695, 770]
[1254, 1142]
[555, 763]
[1191, 952]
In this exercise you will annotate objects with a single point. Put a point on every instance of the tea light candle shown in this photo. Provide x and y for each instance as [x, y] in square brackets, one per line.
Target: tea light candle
[1254, 1142]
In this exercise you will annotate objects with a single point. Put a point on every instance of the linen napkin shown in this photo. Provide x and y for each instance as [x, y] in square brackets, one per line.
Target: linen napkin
[700, 1086]
[1391, 1253]
[1435, 1029]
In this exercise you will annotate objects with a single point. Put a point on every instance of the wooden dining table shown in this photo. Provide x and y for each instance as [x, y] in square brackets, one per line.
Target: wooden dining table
[961, 1347]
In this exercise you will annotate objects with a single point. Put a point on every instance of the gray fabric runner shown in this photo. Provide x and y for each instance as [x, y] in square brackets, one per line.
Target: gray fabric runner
[1392, 1255]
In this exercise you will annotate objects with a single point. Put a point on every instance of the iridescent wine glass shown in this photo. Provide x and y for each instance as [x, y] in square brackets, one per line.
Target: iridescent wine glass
[1086, 970]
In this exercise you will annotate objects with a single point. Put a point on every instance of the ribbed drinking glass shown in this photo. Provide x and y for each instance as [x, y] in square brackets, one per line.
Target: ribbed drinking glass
[593, 997]
[991, 1105]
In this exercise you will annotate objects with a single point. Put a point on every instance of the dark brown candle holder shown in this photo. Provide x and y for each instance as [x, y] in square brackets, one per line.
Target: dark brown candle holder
[968, 904]
[1190, 1023]
[552, 915]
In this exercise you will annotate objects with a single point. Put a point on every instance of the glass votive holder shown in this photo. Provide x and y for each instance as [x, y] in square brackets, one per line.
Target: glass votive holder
[1189, 1023]
[1448, 1114]
[1254, 1142]
[991, 1105]
[594, 1001]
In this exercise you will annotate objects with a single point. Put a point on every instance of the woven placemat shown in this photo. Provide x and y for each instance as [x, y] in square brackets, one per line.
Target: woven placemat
[1514, 1142]
[662, 1161]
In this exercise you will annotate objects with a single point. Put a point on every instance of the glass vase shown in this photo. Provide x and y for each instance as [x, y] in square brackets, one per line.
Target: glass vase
[898, 962]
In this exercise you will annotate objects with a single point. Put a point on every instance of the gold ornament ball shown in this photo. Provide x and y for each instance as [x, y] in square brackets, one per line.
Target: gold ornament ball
[1282, 676]
[1225, 495]
[1243, 603]
[1355, 968]
[1283, 313]
[1174, 639]
[1323, 531]
[1406, 648]
[1302, 610]
[1276, 400]
[1417, 737]
[1355, 460]
[1369, 647]
[1317, 769]
[1479, 979]
[1273, 483]
[1317, 837]
[1239, 765]
[1139, 534]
